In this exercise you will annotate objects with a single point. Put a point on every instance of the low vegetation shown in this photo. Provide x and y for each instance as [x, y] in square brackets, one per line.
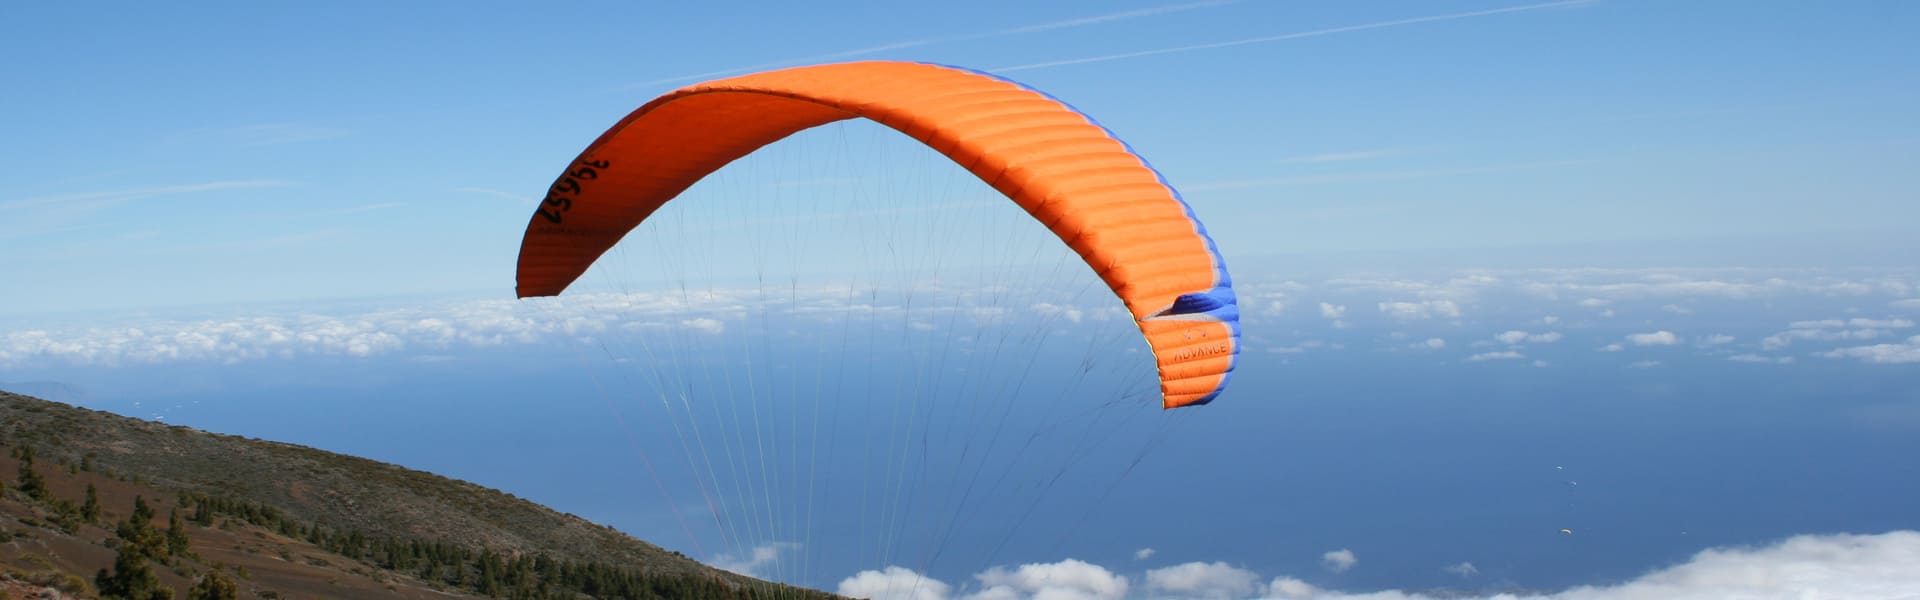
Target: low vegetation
[105, 506]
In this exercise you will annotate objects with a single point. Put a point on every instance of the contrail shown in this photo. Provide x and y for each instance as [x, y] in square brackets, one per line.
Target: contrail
[1292, 36]
[902, 45]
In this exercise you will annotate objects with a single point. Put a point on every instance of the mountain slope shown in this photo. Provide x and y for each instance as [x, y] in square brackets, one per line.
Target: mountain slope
[315, 516]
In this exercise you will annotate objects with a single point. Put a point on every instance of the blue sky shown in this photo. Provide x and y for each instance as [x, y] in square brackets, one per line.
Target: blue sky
[1485, 250]
[316, 149]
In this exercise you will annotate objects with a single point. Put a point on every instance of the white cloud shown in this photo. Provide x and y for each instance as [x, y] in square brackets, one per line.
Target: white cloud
[1593, 303]
[1755, 358]
[1905, 352]
[1332, 311]
[704, 324]
[1435, 343]
[1339, 561]
[759, 557]
[1643, 364]
[1215, 580]
[1820, 331]
[1657, 338]
[893, 583]
[1508, 355]
[1854, 322]
[1909, 303]
[268, 332]
[1614, 347]
[1517, 336]
[1069, 579]
[1677, 309]
[1425, 309]
[1856, 567]
[1863, 567]
[1143, 554]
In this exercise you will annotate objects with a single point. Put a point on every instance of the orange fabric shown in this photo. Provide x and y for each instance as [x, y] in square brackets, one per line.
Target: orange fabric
[1065, 170]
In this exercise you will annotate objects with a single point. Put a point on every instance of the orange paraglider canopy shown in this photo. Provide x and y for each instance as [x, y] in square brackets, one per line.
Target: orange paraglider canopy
[1067, 171]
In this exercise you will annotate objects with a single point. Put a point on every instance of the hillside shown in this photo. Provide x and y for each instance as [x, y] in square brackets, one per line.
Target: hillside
[287, 521]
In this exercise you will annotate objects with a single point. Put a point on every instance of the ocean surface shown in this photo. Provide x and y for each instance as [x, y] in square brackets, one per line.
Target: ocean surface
[1586, 458]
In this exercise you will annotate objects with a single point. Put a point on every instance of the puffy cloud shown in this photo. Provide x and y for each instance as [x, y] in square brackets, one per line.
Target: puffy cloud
[1857, 567]
[1614, 347]
[1434, 343]
[704, 325]
[1332, 311]
[1215, 580]
[1854, 329]
[1465, 569]
[1339, 561]
[1853, 322]
[1812, 566]
[758, 558]
[1507, 355]
[1905, 352]
[1786, 338]
[1424, 309]
[1657, 338]
[1517, 337]
[1143, 554]
[271, 332]
[1863, 567]
[1069, 579]
[893, 583]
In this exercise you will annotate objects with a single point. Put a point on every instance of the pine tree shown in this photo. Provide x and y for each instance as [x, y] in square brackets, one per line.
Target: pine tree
[202, 514]
[176, 534]
[90, 509]
[138, 530]
[214, 587]
[132, 578]
[30, 482]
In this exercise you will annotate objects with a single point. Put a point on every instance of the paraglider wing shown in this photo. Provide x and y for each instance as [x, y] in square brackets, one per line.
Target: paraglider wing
[1064, 169]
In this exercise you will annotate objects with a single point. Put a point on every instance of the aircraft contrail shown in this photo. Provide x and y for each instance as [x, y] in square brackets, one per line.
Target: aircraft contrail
[1291, 36]
[902, 45]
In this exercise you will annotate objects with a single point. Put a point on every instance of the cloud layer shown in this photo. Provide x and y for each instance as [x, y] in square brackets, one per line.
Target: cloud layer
[1860, 567]
[1536, 314]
